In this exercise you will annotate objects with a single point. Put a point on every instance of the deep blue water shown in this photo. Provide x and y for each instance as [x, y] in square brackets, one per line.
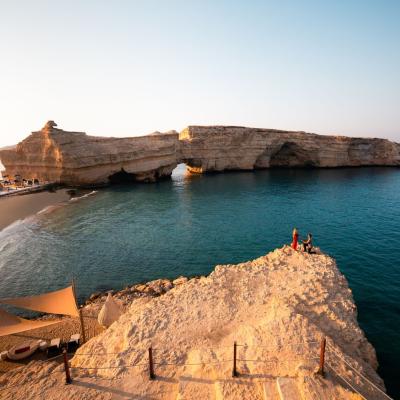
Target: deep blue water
[127, 234]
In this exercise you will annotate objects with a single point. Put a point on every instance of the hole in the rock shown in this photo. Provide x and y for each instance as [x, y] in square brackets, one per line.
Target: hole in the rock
[122, 177]
[291, 155]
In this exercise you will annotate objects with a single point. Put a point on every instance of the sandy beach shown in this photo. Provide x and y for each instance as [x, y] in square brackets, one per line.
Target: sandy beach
[19, 207]
[63, 330]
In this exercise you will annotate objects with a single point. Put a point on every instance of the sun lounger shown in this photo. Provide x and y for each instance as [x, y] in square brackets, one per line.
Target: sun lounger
[21, 351]
[73, 343]
[54, 348]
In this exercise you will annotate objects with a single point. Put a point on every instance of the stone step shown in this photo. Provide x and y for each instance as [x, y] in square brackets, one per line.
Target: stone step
[238, 389]
[270, 390]
[195, 388]
[287, 389]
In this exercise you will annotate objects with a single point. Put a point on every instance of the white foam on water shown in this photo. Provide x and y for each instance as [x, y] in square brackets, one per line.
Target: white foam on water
[17, 223]
[47, 209]
[84, 196]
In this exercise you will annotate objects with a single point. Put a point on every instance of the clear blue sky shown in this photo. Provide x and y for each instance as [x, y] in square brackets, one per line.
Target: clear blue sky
[124, 68]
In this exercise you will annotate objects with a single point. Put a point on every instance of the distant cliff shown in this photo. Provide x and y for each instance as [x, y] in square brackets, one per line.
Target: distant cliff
[75, 158]
[219, 148]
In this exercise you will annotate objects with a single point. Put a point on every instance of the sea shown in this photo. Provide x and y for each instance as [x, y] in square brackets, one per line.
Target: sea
[122, 235]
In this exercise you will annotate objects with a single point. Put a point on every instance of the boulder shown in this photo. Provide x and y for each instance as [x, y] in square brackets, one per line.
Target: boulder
[180, 280]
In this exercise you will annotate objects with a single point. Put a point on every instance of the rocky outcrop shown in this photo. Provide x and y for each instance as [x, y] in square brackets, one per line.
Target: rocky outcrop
[277, 308]
[75, 158]
[219, 148]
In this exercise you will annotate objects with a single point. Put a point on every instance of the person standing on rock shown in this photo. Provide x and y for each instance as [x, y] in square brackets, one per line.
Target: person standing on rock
[295, 237]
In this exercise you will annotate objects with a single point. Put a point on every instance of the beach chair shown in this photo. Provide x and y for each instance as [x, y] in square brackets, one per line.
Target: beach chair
[54, 348]
[43, 345]
[21, 351]
[73, 343]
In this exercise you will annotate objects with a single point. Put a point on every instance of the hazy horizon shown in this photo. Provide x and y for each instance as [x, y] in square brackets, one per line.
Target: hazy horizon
[130, 68]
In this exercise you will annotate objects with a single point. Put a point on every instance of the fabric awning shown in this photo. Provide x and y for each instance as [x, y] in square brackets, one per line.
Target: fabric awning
[10, 324]
[57, 302]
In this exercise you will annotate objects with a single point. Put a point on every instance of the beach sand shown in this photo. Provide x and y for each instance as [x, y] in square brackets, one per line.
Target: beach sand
[63, 330]
[14, 208]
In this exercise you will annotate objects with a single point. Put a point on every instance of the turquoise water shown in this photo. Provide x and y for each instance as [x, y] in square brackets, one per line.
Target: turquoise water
[127, 234]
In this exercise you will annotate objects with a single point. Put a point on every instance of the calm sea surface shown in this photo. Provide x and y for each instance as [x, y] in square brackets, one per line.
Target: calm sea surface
[127, 234]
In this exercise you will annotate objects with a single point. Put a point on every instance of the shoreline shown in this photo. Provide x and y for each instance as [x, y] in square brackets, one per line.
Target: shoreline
[23, 205]
[30, 190]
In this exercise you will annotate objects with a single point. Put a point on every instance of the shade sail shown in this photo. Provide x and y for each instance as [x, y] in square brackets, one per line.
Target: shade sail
[10, 324]
[58, 302]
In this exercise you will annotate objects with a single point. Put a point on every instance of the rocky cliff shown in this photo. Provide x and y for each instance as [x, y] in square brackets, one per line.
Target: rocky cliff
[277, 308]
[218, 148]
[75, 158]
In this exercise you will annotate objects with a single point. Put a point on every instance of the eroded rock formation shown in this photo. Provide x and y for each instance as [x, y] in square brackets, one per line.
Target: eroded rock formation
[219, 148]
[75, 158]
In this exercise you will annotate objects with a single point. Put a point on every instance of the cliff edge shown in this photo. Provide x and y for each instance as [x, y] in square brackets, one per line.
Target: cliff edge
[277, 308]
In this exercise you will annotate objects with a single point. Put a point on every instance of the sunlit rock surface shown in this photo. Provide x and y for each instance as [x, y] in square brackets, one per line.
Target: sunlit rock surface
[75, 158]
[277, 308]
[219, 148]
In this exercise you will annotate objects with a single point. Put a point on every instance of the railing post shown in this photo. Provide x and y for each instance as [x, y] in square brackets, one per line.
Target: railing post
[151, 365]
[82, 326]
[322, 357]
[68, 379]
[234, 370]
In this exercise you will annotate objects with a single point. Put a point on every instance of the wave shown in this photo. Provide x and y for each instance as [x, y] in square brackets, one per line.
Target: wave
[48, 209]
[84, 196]
[44, 211]
[17, 223]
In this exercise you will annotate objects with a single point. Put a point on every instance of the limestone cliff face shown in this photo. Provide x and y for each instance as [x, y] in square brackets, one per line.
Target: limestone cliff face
[55, 155]
[218, 148]
[75, 158]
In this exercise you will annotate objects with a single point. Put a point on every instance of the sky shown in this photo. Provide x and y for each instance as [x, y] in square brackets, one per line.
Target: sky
[127, 68]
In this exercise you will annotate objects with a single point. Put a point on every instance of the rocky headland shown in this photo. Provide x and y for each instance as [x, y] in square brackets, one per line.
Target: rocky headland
[277, 308]
[74, 158]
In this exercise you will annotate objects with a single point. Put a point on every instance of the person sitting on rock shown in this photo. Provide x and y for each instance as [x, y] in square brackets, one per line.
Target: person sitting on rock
[307, 244]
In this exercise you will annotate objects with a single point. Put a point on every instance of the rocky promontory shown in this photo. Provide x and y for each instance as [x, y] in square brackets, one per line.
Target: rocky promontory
[277, 308]
[74, 158]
